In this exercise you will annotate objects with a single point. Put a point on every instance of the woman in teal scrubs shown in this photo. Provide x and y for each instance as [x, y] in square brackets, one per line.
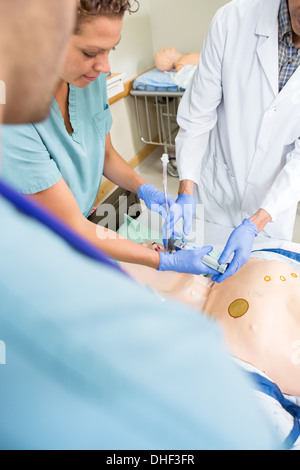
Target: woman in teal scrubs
[60, 162]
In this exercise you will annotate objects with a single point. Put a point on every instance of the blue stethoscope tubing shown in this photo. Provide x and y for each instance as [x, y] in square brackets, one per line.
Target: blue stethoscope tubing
[35, 211]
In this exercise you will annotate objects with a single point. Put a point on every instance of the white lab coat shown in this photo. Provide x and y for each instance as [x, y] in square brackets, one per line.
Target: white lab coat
[239, 138]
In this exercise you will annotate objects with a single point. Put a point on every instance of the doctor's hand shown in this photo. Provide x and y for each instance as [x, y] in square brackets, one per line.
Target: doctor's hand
[154, 199]
[240, 243]
[186, 261]
[185, 208]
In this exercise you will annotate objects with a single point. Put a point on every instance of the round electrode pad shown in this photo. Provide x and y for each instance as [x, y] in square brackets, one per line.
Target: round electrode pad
[238, 308]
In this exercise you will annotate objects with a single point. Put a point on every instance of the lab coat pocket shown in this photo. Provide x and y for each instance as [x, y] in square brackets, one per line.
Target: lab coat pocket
[217, 191]
[103, 122]
[218, 182]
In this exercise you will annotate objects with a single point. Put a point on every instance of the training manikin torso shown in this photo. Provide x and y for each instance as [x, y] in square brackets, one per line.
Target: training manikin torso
[258, 309]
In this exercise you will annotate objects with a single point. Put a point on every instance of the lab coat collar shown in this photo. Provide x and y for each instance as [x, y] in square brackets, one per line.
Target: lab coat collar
[268, 21]
[267, 49]
[267, 28]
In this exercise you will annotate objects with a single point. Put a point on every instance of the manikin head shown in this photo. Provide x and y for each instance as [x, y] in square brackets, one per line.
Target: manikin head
[98, 31]
[34, 35]
[169, 58]
[166, 59]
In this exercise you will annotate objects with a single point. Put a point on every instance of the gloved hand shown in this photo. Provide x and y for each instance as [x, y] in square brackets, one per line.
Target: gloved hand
[187, 205]
[168, 230]
[186, 261]
[184, 207]
[240, 243]
[154, 199]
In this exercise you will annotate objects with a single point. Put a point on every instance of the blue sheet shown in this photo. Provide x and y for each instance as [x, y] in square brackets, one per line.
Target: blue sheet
[155, 80]
[280, 251]
[289, 257]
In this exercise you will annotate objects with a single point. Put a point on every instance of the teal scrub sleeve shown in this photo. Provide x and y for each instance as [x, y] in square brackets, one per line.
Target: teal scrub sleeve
[26, 163]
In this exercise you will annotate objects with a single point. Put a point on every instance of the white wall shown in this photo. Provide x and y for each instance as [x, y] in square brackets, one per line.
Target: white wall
[181, 23]
[178, 23]
[134, 54]
[158, 23]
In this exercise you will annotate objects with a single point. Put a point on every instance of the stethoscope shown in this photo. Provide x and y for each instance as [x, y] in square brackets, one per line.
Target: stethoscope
[35, 211]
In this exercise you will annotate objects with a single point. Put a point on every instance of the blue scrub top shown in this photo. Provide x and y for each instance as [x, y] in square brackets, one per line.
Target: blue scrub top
[37, 156]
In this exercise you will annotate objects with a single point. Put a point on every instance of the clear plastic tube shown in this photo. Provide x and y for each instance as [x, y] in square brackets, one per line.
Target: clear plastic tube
[165, 161]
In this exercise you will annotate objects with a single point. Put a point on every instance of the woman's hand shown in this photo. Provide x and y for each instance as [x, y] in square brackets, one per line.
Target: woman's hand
[186, 261]
[154, 199]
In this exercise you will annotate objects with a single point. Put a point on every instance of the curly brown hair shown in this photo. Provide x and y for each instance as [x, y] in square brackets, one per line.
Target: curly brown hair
[87, 9]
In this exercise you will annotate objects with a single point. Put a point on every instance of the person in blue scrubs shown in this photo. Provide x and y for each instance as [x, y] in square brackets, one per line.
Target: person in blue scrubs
[94, 361]
[60, 162]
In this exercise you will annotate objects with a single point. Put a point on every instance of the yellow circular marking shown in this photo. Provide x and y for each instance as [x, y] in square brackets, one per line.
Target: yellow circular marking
[282, 278]
[294, 275]
[267, 279]
[238, 308]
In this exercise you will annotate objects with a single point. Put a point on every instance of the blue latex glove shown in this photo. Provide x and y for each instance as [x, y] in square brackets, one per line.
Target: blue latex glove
[154, 199]
[168, 230]
[186, 209]
[240, 243]
[186, 261]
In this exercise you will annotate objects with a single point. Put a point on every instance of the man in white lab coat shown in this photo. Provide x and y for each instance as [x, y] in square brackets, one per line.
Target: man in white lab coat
[238, 148]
